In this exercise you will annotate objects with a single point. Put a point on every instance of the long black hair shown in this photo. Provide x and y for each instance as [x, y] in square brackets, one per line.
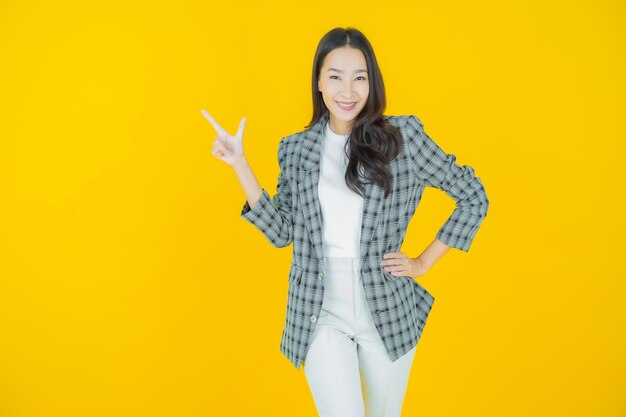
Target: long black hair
[373, 142]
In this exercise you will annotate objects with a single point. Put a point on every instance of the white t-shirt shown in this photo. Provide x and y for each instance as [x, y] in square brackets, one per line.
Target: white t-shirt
[342, 208]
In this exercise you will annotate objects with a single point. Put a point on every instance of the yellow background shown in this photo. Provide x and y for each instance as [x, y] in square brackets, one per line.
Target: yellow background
[131, 286]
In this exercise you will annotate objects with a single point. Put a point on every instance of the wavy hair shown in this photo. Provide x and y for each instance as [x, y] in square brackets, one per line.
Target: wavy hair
[373, 142]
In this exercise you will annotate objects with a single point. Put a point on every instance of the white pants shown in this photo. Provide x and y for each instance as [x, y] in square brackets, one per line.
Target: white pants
[347, 368]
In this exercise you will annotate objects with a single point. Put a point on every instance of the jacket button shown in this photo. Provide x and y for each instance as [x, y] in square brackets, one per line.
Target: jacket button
[313, 319]
[321, 275]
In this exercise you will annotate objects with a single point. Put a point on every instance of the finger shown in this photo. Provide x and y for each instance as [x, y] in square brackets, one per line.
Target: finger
[242, 125]
[390, 258]
[395, 268]
[216, 126]
[399, 271]
[392, 263]
[393, 271]
[223, 149]
[224, 143]
[219, 153]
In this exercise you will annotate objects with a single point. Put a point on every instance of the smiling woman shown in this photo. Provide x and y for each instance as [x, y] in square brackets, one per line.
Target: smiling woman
[348, 187]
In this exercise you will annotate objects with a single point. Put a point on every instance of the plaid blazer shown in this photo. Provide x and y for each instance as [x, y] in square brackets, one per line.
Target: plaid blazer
[399, 304]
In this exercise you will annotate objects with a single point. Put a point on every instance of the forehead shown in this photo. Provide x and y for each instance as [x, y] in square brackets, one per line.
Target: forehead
[345, 58]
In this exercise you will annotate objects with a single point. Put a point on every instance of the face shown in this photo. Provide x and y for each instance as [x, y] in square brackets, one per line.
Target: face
[344, 84]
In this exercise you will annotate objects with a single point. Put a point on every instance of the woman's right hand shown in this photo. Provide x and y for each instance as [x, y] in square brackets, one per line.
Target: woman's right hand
[227, 147]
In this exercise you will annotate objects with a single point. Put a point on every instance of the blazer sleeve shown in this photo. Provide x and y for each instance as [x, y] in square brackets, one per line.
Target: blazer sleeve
[436, 168]
[273, 215]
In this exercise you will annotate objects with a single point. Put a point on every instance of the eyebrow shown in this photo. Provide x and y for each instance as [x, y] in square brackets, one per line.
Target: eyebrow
[338, 70]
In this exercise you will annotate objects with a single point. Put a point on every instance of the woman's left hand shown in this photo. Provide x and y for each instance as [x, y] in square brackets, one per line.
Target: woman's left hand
[399, 264]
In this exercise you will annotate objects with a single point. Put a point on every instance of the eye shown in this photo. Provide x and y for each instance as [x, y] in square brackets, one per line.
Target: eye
[334, 76]
[361, 77]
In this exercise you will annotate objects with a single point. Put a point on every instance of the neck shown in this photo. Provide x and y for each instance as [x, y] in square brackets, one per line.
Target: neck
[339, 127]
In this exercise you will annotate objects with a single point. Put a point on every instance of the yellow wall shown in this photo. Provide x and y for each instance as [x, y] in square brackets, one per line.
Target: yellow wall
[130, 286]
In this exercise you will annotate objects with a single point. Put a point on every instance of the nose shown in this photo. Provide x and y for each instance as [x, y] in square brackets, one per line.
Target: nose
[347, 89]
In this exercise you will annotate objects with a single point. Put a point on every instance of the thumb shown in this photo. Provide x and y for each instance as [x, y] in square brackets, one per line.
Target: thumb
[242, 125]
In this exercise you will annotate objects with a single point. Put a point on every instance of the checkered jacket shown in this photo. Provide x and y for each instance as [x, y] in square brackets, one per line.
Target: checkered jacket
[399, 304]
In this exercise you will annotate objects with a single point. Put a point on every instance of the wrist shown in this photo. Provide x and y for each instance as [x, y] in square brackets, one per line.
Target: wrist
[240, 163]
[421, 264]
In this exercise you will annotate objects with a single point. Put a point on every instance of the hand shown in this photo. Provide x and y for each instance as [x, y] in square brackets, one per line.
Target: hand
[399, 264]
[226, 147]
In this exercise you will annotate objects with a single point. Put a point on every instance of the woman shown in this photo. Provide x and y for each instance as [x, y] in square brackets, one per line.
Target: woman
[348, 186]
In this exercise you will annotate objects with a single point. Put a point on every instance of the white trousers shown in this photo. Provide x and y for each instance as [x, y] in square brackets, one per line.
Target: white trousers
[347, 368]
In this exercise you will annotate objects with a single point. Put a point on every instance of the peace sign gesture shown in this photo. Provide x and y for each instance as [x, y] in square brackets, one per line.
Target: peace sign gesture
[227, 147]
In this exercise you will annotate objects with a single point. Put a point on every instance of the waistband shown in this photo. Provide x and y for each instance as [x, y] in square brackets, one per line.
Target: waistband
[336, 263]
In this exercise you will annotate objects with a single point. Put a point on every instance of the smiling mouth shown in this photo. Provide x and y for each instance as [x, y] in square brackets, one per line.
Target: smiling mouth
[346, 105]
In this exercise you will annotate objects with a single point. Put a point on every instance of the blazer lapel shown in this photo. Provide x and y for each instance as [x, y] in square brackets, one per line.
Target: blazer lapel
[309, 198]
